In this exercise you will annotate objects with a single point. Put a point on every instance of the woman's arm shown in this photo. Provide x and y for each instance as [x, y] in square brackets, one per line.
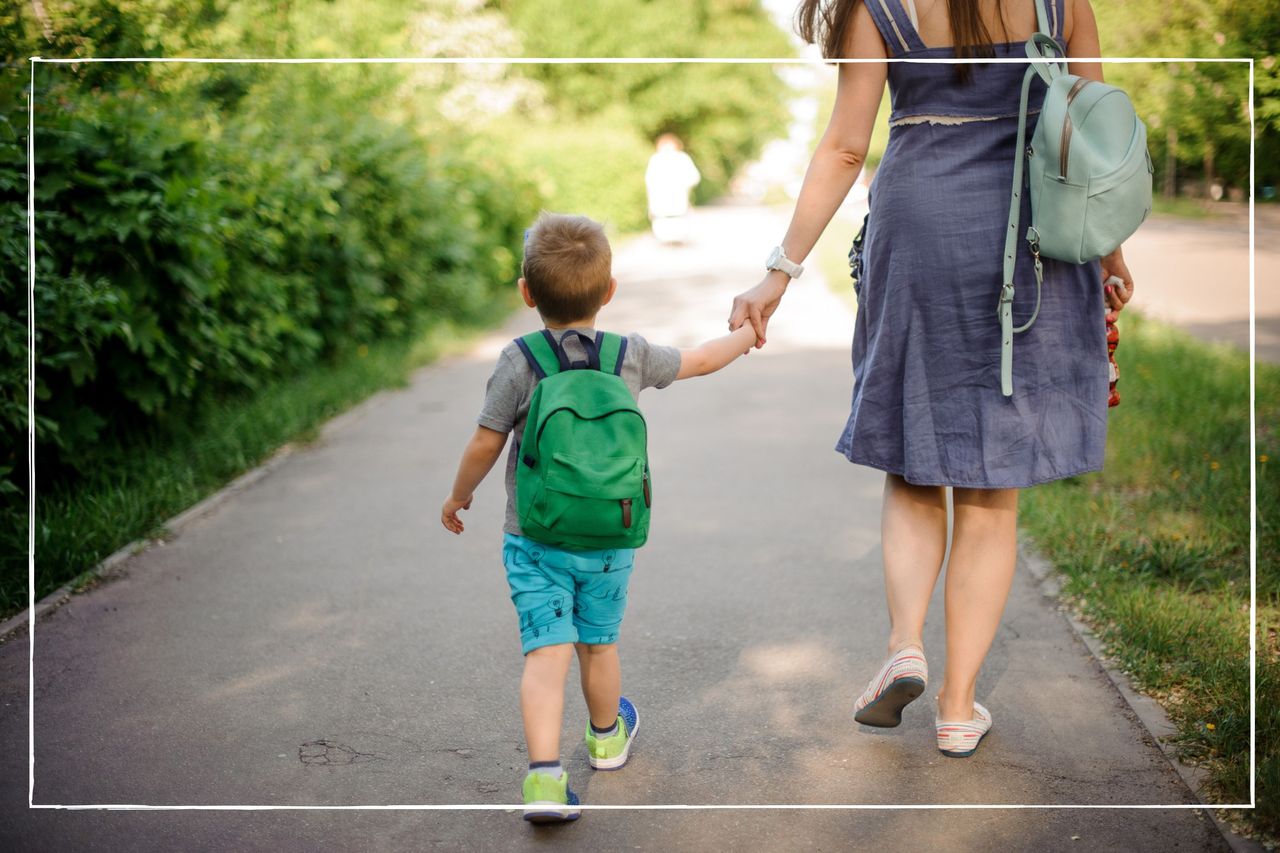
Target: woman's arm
[1081, 31]
[835, 166]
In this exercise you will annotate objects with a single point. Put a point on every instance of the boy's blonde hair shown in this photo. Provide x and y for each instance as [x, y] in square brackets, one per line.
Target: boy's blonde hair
[567, 266]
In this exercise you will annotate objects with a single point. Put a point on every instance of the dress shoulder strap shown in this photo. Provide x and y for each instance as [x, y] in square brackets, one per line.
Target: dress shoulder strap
[895, 26]
[911, 13]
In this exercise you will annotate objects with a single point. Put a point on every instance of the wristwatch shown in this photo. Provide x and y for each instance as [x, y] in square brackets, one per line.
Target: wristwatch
[778, 261]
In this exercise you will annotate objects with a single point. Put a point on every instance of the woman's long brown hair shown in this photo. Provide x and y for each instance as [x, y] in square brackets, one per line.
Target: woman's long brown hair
[827, 23]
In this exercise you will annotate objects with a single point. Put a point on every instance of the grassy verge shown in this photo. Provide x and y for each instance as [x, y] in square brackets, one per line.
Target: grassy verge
[1186, 208]
[1155, 550]
[154, 477]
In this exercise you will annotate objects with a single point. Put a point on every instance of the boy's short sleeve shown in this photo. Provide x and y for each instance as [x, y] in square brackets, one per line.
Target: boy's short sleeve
[658, 365]
[503, 394]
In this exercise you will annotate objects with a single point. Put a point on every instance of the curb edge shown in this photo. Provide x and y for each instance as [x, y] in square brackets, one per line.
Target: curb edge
[1150, 714]
[174, 525]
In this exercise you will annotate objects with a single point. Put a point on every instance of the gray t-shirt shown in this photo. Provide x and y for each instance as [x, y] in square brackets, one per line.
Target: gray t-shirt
[510, 388]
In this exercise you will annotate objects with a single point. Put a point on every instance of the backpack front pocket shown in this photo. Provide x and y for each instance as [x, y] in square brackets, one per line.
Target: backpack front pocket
[594, 497]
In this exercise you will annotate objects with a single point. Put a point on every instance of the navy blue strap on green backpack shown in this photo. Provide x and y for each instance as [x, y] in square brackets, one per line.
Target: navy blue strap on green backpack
[546, 355]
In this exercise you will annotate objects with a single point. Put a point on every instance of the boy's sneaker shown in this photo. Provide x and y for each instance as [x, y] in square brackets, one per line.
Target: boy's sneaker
[548, 799]
[610, 753]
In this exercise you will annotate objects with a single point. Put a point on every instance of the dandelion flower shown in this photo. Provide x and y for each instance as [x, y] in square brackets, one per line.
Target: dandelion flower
[1214, 466]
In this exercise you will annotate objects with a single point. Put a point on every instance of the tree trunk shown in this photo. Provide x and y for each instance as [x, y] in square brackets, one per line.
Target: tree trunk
[1171, 163]
[1209, 176]
[46, 26]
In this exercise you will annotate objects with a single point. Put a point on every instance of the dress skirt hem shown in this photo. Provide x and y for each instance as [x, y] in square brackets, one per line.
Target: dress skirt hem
[857, 459]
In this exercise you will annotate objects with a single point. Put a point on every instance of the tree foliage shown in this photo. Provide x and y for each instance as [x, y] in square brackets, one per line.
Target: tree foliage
[1198, 112]
[204, 229]
[724, 113]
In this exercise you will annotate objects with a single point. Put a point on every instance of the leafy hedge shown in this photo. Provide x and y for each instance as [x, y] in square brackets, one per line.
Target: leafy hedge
[594, 168]
[210, 234]
[179, 260]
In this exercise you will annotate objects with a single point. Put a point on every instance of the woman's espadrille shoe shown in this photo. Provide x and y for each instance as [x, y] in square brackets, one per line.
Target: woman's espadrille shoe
[898, 683]
[960, 739]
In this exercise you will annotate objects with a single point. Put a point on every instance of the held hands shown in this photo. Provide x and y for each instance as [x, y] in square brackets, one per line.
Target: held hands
[1117, 295]
[449, 514]
[756, 306]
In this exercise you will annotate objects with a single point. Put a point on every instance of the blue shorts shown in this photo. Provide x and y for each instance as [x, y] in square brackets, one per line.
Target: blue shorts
[566, 596]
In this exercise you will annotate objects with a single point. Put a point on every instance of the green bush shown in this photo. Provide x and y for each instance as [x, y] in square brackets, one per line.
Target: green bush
[182, 260]
[593, 168]
[206, 234]
[723, 112]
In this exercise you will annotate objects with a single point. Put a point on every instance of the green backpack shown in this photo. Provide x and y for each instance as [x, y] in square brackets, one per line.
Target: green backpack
[582, 480]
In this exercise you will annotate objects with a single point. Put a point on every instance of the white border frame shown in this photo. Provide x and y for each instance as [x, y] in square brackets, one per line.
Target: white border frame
[31, 565]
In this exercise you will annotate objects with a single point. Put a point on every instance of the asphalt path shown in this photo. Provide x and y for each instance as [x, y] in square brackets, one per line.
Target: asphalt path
[319, 640]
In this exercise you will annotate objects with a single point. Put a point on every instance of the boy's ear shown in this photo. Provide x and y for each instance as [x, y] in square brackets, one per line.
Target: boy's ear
[525, 294]
[613, 288]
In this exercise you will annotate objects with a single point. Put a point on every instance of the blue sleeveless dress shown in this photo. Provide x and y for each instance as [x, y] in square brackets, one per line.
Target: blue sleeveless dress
[926, 349]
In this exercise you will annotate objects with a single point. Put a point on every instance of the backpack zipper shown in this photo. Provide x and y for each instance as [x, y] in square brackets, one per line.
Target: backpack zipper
[547, 417]
[646, 487]
[626, 512]
[1066, 124]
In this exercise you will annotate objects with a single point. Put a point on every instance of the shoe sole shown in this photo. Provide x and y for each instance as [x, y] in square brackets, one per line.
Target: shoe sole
[965, 753]
[620, 759]
[885, 712]
[551, 813]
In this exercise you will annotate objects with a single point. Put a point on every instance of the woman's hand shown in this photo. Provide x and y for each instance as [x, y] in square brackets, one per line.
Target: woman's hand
[757, 305]
[1117, 295]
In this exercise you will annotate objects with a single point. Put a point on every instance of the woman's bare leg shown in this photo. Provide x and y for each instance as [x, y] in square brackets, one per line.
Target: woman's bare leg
[979, 574]
[913, 530]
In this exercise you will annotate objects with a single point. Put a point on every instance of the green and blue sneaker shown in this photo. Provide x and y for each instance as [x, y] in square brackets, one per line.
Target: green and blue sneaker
[547, 799]
[610, 753]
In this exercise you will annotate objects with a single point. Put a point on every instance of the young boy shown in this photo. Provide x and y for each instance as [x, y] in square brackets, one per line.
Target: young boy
[568, 599]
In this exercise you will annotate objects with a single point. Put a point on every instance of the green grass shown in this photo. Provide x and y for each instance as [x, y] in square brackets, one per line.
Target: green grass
[1186, 208]
[1154, 550]
[154, 477]
[831, 255]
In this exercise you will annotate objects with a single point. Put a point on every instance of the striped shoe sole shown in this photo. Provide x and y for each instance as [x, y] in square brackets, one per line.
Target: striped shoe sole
[885, 711]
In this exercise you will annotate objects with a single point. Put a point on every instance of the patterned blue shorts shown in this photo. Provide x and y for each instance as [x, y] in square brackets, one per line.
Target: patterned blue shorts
[566, 596]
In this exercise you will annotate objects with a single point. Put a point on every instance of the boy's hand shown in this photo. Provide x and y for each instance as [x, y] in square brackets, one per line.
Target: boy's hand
[449, 514]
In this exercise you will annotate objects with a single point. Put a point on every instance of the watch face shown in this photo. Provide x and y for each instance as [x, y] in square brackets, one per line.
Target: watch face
[774, 257]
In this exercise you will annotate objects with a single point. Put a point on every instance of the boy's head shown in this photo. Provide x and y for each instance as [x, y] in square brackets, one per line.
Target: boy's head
[567, 267]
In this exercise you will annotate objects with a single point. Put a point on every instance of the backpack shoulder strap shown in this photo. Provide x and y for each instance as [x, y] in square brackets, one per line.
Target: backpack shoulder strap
[613, 349]
[1042, 18]
[542, 352]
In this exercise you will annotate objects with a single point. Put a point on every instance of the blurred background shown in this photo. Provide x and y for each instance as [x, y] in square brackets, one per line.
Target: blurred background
[227, 255]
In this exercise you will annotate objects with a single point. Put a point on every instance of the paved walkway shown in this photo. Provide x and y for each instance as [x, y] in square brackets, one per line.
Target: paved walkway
[1195, 273]
[319, 640]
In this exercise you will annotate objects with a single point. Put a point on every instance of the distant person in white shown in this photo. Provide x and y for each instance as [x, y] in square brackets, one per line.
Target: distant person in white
[669, 178]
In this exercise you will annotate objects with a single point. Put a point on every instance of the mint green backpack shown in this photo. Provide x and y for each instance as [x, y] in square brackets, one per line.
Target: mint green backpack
[1088, 171]
[582, 481]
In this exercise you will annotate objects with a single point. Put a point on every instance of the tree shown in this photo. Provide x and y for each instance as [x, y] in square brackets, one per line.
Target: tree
[1198, 112]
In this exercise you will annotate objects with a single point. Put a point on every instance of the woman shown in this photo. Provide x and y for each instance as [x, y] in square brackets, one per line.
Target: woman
[927, 403]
